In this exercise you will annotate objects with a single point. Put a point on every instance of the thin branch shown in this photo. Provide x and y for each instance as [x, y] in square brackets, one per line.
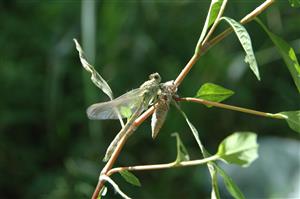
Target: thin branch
[110, 163]
[217, 20]
[249, 17]
[115, 186]
[186, 69]
[177, 82]
[164, 166]
[205, 46]
[230, 107]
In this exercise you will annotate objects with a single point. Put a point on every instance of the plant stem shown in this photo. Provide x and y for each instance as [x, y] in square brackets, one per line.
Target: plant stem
[177, 82]
[212, 29]
[208, 44]
[249, 17]
[163, 166]
[230, 107]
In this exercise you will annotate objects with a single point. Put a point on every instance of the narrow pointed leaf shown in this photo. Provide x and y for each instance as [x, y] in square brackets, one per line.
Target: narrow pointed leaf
[239, 148]
[293, 119]
[95, 77]
[245, 40]
[213, 12]
[213, 92]
[102, 192]
[295, 3]
[287, 53]
[130, 178]
[182, 154]
[192, 127]
[215, 189]
[215, 193]
[230, 185]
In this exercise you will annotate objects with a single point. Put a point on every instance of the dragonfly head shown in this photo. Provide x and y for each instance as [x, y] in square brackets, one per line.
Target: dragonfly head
[155, 76]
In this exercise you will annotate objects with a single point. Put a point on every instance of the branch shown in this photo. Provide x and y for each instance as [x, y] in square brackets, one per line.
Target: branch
[177, 82]
[115, 186]
[217, 20]
[207, 45]
[230, 107]
[164, 166]
[249, 17]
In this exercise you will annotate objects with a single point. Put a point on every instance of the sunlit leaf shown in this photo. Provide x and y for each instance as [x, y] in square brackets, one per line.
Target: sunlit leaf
[232, 188]
[239, 148]
[130, 178]
[213, 92]
[182, 154]
[102, 192]
[215, 189]
[215, 193]
[295, 3]
[193, 129]
[125, 111]
[213, 12]
[293, 119]
[95, 77]
[287, 53]
[245, 40]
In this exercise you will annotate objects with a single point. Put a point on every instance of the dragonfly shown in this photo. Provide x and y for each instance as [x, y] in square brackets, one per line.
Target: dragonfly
[162, 105]
[129, 105]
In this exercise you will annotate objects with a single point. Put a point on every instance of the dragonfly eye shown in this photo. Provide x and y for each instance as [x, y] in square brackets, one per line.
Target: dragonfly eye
[155, 76]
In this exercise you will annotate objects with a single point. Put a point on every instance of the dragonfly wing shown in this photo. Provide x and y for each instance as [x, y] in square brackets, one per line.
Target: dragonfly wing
[109, 110]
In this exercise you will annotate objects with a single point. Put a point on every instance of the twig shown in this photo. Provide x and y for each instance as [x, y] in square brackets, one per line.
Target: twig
[249, 17]
[164, 166]
[230, 107]
[205, 46]
[217, 20]
[177, 82]
[110, 163]
[115, 186]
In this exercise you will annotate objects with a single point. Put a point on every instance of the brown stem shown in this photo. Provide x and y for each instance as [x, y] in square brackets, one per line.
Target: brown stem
[164, 166]
[249, 17]
[111, 162]
[186, 70]
[177, 82]
[230, 107]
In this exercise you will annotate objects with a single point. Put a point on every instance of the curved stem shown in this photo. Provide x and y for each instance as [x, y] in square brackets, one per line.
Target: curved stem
[164, 166]
[217, 20]
[249, 17]
[177, 82]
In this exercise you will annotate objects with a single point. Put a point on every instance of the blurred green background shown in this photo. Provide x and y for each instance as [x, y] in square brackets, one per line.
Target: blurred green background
[48, 147]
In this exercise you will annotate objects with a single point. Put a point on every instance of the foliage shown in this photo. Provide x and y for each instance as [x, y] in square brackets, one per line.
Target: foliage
[213, 92]
[245, 40]
[47, 148]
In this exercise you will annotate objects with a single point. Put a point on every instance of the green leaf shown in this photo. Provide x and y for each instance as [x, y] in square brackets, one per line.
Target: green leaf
[293, 119]
[102, 192]
[213, 92]
[130, 178]
[182, 154]
[215, 193]
[232, 188]
[213, 12]
[95, 77]
[193, 129]
[239, 148]
[295, 3]
[287, 53]
[125, 111]
[245, 40]
[215, 190]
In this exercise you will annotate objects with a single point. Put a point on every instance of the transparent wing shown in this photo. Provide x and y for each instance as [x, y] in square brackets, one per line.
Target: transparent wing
[108, 110]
